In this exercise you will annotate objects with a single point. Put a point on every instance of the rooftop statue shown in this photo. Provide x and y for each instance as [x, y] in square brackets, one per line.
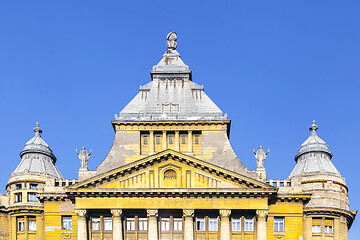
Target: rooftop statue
[171, 42]
[84, 157]
[260, 156]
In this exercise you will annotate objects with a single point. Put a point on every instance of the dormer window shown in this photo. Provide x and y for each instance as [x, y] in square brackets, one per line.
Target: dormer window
[18, 186]
[33, 186]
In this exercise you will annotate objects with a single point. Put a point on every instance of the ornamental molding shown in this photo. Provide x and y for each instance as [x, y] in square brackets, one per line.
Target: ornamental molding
[188, 212]
[80, 212]
[116, 212]
[225, 213]
[262, 214]
[152, 212]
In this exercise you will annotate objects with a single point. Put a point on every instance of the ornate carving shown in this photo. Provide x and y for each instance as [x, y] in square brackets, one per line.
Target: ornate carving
[188, 212]
[171, 42]
[116, 212]
[261, 214]
[260, 156]
[225, 213]
[80, 212]
[152, 212]
[84, 157]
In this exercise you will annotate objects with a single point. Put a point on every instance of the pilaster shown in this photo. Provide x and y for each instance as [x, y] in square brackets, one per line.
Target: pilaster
[261, 224]
[117, 225]
[225, 224]
[188, 215]
[82, 229]
[153, 228]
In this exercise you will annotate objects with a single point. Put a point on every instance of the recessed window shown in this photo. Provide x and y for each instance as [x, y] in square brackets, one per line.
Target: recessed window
[177, 224]
[21, 225]
[279, 223]
[145, 140]
[329, 226]
[171, 139]
[32, 197]
[143, 224]
[196, 139]
[183, 139]
[130, 224]
[165, 224]
[32, 225]
[157, 139]
[213, 224]
[236, 224]
[18, 186]
[66, 223]
[249, 224]
[316, 225]
[107, 224]
[33, 186]
[95, 224]
[18, 197]
[200, 224]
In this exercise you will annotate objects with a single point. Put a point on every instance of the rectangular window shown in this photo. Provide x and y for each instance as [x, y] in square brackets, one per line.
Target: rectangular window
[165, 224]
[95, 224]
[196, 139]
[107, 224]
[183, 139]
[143, 224]
[18, 186]
[279, 223]
[66, 223]
[249, 224]
[18, 197]
[32, 225]
[213, 224]
[236, 224]
[329, 226]
[200, 224]
[145, 140]
[130, 224]
[171, 139]
[316, 225]
[157, 139]
[21, 225]
[33, 186]
[177, 224]
[32, 197]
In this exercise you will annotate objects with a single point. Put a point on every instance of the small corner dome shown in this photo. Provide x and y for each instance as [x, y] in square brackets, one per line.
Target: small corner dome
[38, 145]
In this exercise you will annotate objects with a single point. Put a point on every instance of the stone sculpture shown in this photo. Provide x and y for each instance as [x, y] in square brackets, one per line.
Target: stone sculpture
[171, 42]
[260, 156]
[84, 157]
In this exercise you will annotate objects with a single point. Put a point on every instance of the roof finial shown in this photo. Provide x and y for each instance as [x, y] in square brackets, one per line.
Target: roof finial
[171, 42]
[313, 127]
[37, 130]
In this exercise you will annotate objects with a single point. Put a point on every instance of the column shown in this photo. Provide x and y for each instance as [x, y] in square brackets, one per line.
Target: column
[225, 224]
[190, 142]
[261, 224]
[151, 143]
[152, 220]
[189, 224]
[26, 226]
[82, 230]
[164, 140]
[177, 141]
[117, 226]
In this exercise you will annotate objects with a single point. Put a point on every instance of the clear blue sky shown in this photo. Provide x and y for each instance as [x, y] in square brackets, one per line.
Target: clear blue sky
[273, 66]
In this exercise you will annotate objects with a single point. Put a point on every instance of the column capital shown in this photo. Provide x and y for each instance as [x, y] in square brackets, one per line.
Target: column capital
[261, 214]
[224, 212]
[152, 212]
[80, 212]
[116, 212]
[188, 212]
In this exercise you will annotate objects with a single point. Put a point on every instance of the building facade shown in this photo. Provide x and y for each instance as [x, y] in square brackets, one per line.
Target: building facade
[172, 174]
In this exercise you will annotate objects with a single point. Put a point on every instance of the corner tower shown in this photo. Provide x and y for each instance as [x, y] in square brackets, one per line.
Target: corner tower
[172, 112]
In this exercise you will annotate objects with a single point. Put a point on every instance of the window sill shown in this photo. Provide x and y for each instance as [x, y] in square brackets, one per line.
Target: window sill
[279, 233]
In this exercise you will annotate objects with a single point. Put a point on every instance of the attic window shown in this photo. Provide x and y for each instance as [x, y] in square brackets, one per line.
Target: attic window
[170, 174]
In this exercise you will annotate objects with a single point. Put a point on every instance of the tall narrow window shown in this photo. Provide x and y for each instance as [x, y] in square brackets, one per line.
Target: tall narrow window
[236, 224]
[107, 224]
[130, 224]
[157, 139]
[329, 226]
[66, 223]
[165, 224]
[32, 197]
[196, 139]
[18, 197]
[145, 140]
[95, 224]
[32, 224]
[249, 224]
[200, 224]
[213, 224]
[143, 224]
[183, 139]
[177, 224]
[171, 139]
[316, 225]
[21, 225]
[279, 223]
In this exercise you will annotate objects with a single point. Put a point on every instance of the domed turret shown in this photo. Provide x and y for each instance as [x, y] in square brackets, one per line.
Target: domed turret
[37, 157]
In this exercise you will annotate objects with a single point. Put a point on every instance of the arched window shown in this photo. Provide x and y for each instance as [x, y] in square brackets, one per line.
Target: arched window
[170, 178]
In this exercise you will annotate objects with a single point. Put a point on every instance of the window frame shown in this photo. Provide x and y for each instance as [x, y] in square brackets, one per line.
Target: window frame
[66, 220]
[213, 224]
[20, 225]
[183, 139]
[29, 225]
[171, 139]
[247, 221]
[145, 140]
[108, 227]
[31, 199]
[164, 224]
[279, 224]
[95, 224]
[17, 196]
[18, 186]
[196, 139]
[158, 139]
[143, 224]
[178, 222]
[34, 186]
[235, 222]
[130, 224]
[200, 220]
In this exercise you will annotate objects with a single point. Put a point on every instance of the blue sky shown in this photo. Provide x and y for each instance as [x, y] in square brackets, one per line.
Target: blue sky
[273, 66]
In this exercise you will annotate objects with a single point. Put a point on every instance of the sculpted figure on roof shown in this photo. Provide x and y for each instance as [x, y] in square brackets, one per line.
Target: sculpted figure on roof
[171, 42]
[260, 156]
[84, 157]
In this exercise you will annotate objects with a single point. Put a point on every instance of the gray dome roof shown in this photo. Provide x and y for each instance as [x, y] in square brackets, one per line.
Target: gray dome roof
[37, 157]
[314, 156]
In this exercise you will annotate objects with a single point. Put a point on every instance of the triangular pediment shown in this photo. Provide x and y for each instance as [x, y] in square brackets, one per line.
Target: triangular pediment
[170, 170]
